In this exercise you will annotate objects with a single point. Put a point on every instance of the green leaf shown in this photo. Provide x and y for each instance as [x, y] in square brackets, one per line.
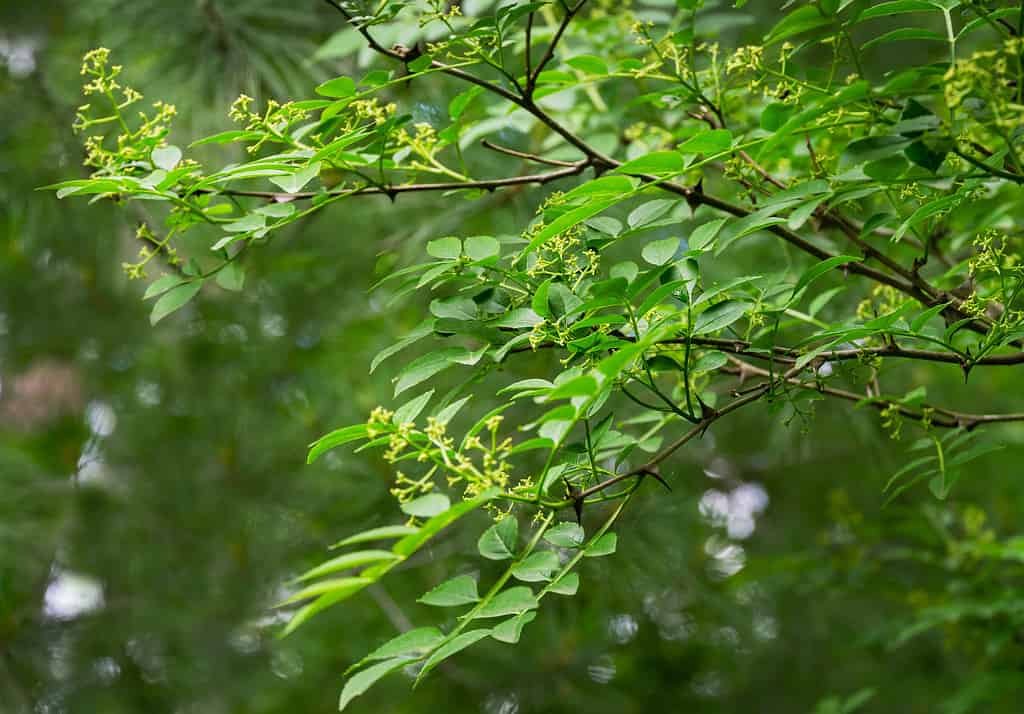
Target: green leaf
[605, 224]
[555, 76]
[460, 590]
[323, 602]
[231, 276]
[420, 64]
[347, 562]
[421, 639]
[709, 362]
[250, 222]
[458, 105]
[511, 629]
[166, 157]
[536, 567]
[660, 252]
[872, 148]
[431, 363]
[456, 307]
[657, 163]
[226, 137]
[719, 316]
[337, 88]
[659, 295]
[925, 317]
[408, 412]
[365, 679]
[568, 584]
[752, 223]
[605, 545]
[513, 601]
[334, 439]
[482, 247]
[775, 115]
[819, 269]
[925, 156]
[650, 211]
[565, 535]
[926, 211]
[710, 142]
[162, 285]
[452, 647]
[427, 506]
[904, 34]
[448, 413]
[897, 7]
[500, 540]
[448, 248]
[581, 386]
[703, 236]
[518, 319]
[588, 64]
[422, 330]
[539, 302]
[803, 19]
[411, 543]
[174, 299]
[298, 180]
[888, 169]
[339, 588]
[381, 533]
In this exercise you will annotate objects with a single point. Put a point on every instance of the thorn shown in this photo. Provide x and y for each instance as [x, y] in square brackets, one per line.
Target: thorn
[693, 199]
[577, 501]
[657, 477]
[707, 413]
[966, 367]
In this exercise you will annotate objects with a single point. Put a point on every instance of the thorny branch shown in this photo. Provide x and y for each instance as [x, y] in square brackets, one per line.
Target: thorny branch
[907, 281]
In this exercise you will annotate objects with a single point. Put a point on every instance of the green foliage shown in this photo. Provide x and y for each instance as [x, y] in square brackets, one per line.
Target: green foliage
[889, 202]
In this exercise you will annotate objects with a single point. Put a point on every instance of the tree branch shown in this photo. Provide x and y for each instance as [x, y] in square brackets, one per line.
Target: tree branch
[549, 53]
[947, 417]
[487, 144]
[602, 162]
[392, 190]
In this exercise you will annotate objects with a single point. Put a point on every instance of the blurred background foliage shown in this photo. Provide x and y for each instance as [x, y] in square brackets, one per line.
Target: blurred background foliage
[153, 495]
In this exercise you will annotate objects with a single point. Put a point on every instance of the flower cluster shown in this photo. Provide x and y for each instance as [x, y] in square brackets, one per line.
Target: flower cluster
[563, 257]
[480, 463]
[151, 246]
[991, 255]
[272, 123]
[424, 144]
[986, 86]
[884, 300]
[131, 147]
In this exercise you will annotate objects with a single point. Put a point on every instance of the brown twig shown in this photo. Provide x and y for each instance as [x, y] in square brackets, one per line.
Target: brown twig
[487, 144]
[946, 418]
[392, 190]
[549, 53]
[601, 162]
